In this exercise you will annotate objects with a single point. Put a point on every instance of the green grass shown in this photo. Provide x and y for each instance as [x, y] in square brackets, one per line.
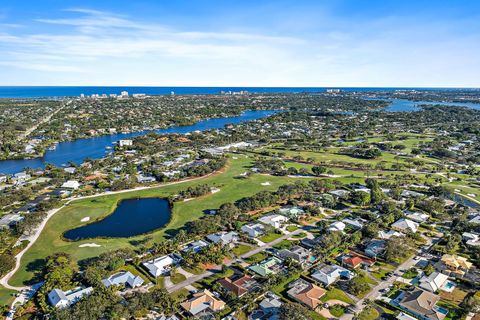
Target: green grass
[194, 270]
[177, 278]
[257, 257]
[410, 273]
[269, 237]
[50, 241]
[368, 314]
[301, 235]
[284, 244]
[241, 249]
[336, 294]
[180, 295]
[292, 228]
[382, 270]
[6, 296]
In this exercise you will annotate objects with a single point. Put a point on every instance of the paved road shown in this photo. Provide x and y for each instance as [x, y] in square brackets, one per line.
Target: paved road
[22, 298]
[206, 274]
[376, 291]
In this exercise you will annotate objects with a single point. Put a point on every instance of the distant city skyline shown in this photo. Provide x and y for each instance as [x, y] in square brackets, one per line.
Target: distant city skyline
[240, 43]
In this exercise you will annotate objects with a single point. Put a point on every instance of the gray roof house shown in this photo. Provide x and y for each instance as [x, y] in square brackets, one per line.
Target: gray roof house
[123, 279]
[328, 274]
[224, 237]
[61, 299]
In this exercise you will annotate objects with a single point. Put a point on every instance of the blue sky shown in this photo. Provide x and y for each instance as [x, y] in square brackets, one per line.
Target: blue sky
[241, 43]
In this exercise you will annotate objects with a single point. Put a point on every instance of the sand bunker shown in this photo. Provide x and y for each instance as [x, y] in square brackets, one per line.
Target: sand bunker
[85, 219]
[265, 183]
[89, 245]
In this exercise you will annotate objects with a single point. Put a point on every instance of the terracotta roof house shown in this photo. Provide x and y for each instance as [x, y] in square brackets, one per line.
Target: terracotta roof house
[203, 303]
[354, 260]
[422, 304]
[306, 293]
[454, 265]
[239, 285]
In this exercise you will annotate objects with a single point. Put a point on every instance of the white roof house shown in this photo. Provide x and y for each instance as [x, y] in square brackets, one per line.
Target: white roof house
[275, 220]
[405, 225]
[194, 246]
[123, 279]
[122, 143]
[385, 235]
[9, 220]
[337, 226]
[223, 237]
[417, 216]
[475, 220]
[433, 282]
[471, 239]
[253, 230]
[158, 266]
[60, 299]
[328, 274]
[71, 184]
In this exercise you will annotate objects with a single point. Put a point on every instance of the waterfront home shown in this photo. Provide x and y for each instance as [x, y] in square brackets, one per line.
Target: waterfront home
[239, 285]
[71, 184]
[3, 178]
[405, 225]
[266, 267]
[10, 220]
[61, 299]
[203, 304]
[123, 143]
[328, 274]
[453, 265]
[375, 248]
[194, 246]
[70, 170]
[422, 304]
[306, 293]
[253, 229]
[159, 266]
[275, 220]
[226, 238]
[337, 226]
[298, 254]
[434, 281]
[20, 177]
[123, 279]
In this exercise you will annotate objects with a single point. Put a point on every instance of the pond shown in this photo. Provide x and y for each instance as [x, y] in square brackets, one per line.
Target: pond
[130, 218]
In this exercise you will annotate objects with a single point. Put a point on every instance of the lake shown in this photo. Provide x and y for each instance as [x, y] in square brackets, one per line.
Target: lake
[130, 218]
[94, 148]
[404, 105]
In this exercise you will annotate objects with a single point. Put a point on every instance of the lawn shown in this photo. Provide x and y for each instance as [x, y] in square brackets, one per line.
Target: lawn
[336, 294]
[292, 228]
[284, 244]
[241, 249]
[382, 270]
[194, 270]
[269, 237]
[177, 278]
[368, 313]
[410, 273]
[257, 257]
[6, 296]
[50, 241]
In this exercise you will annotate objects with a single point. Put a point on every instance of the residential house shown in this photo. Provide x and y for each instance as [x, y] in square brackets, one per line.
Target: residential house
[61, 299]
[434, 282]
[70, 170]
[355, 260]
[417, 216]
[123, 143]
[310, 243]
[343, 194]
[194, 246]
[354, 223]
[123, 279]
[202, 304]
[159, 266]
[422, 304]
[328, 274]
[21, 177]
[375, 248]
[299, 254]
[471, 239]
[145, 179]
[266, 267]
[253, 229]
[291, 212]
[71, 184]
[306, 293]
[275, 220]
[385, 235]
[226, 238]
[10, 220]
[411, 194]
[405, 225]
[270, 306]
[453, 265]
[239, 285]
[337, 226]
